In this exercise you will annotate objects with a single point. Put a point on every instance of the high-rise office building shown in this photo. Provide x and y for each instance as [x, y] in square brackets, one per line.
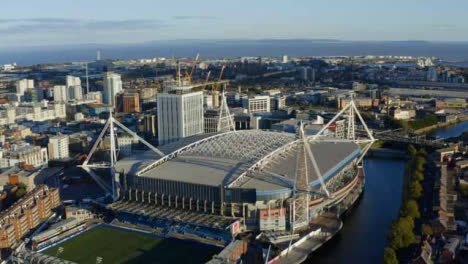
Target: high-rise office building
[34, 95]
[112, 86]
[432, 75]
[60, 93]
[23, 85]
[74, 90]
[58, 147]
[179, 115]
[307, 74]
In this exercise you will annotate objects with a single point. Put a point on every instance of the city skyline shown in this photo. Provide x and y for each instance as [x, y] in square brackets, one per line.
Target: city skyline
[79, 22]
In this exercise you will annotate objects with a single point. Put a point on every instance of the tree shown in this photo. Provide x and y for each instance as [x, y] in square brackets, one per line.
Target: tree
[427, 230]
[420, 162]
[20, 193]
[422, 152]
[389, 256]
[416, 190]
[22, 185]
[410, 209]
[411, 150]
[401, 233]
[418, 176]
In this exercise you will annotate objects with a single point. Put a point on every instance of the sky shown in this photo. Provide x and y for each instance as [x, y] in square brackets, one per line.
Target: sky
[64, 22]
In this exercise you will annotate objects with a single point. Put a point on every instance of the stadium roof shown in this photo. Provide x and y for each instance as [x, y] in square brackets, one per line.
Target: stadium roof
[219, 159]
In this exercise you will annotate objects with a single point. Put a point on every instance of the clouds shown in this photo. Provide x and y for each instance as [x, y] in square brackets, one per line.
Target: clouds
[64, 25]
[194, 17]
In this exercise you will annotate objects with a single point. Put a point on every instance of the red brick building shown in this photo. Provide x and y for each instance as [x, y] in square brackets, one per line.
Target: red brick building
[27, 213]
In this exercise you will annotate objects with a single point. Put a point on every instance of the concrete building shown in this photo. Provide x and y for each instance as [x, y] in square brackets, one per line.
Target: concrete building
[179, 115]
[402, 114]
[27, 213]
[360, 102]
[81, 213]
[112, 86]
[257, 104]
[38, 112]
[125, 145]
[74, 89]
[128, 103]
[149, 126]
[307, 74]
[34, 95]
[212, 120]
[58, 147]
[23, 154]
[60, 94]
[432, 75]
[455, 103]
[96, 97]
[277, 102]
[357, 86]
[22, 85]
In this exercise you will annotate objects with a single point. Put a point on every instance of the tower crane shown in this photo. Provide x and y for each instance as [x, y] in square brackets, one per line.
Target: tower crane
[216, 85]
[193, 68]
[207, 78]
[214, 91]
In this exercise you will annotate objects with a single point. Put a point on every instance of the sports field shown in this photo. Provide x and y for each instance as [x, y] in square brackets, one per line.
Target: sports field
[121, 246]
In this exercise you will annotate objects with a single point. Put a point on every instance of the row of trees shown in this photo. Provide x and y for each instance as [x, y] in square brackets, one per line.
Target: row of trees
[426, 121]
[401, 233]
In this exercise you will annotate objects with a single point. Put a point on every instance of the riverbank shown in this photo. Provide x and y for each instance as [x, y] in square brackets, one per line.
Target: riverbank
[386, 153]
[432, 128]
[363, 236]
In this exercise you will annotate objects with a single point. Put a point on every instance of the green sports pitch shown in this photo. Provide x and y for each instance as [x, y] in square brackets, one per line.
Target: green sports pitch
[115, 245]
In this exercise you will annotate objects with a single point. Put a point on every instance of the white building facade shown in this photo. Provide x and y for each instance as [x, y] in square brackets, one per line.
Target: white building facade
[179, 116]
[58, 147]
[112, 86]
[74, 90]
[23, 85]
[257, 104]
[60, 94]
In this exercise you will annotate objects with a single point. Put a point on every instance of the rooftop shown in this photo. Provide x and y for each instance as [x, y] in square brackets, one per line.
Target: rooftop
[218, 159]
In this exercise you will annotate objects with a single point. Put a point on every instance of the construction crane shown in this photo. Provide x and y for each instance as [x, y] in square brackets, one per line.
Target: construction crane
[214, 90]
[193, 68]
[207, 78]
[216, 85]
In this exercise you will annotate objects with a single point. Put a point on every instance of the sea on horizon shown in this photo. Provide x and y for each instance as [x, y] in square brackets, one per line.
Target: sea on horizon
[225, 49]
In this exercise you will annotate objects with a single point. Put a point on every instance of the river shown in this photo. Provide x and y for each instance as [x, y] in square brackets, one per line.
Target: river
[451, 131]
[363, 237]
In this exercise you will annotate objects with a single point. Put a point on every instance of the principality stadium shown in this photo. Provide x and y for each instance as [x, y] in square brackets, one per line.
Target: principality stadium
[248, 180]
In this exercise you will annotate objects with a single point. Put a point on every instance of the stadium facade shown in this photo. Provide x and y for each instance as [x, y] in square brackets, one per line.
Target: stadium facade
[257, 180]
[265, 179]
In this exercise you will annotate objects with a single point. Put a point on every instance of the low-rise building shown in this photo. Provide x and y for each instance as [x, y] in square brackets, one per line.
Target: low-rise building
[81, 213]
[257, 104]
[23, 154]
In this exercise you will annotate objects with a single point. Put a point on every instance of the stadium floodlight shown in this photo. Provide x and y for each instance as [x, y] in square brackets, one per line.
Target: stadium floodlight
[99, 260]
